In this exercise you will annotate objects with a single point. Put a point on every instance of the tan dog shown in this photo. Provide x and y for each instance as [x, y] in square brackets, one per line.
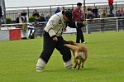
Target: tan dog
[79, 52]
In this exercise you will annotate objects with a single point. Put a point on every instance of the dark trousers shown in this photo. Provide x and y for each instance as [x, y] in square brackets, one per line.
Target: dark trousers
[111, 8]
[102, 25]
[49, 46]
[79, 36]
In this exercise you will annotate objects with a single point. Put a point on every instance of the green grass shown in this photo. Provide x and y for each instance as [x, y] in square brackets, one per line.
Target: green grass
[105, 61]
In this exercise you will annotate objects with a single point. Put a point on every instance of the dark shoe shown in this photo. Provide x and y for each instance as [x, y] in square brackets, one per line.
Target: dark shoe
[24, 38]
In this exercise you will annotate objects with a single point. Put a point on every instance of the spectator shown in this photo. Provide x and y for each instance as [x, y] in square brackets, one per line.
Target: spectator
[47, 17]
[24, 14]
[89, 21]
[89, 9]
[110, 3]
[57, 10]
[78, 16]
[119, 13]
[37, 19]
[115, 13]
[42, 18]
[35, 13]
[95, 12]
[71, 9]
[20, 19]
[63, 9]
[103, 15]
[123, 20]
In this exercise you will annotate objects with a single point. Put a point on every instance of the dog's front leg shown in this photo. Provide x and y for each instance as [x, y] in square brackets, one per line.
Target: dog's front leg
[76, 63]
[82, 63]
[79, 64]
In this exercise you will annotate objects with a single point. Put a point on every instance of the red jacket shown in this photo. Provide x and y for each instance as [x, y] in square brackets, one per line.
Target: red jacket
[77, 15]
[110, 2]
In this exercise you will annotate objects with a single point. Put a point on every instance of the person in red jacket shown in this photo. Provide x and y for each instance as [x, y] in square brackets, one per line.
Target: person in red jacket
[110, 3]
[78, 16]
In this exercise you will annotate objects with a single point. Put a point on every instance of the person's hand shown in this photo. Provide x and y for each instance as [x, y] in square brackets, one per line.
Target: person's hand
[85, 22]
[55, 39]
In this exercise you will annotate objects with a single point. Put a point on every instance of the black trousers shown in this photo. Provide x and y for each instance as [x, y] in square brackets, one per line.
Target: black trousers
[49, 46]
[79, 36]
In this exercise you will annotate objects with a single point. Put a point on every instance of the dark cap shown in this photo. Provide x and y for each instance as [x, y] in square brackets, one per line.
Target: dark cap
[68, 14]
[79, 4]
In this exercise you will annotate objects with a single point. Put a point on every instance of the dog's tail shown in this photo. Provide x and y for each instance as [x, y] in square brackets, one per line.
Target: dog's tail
[72, 47]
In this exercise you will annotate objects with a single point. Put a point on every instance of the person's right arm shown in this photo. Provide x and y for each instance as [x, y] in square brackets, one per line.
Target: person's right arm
[74, 24]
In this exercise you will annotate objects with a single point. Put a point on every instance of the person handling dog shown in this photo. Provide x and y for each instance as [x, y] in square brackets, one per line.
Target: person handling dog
[52, 38]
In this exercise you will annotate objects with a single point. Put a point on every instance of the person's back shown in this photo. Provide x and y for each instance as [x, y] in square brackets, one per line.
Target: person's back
[57, 25]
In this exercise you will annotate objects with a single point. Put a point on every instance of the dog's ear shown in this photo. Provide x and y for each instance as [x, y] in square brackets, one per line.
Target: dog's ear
[72, 47]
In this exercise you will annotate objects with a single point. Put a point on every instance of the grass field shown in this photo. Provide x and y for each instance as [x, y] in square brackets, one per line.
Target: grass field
[105, 61]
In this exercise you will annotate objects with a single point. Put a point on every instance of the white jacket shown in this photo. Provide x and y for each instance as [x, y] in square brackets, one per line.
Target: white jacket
[55, 25]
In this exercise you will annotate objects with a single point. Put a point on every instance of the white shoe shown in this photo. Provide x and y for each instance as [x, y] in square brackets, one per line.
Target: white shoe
[40, 65]
[84, 42]
[38, 69]
[68, 65]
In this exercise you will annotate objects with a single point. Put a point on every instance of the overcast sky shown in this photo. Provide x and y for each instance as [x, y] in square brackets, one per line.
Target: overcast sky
[18, 3]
